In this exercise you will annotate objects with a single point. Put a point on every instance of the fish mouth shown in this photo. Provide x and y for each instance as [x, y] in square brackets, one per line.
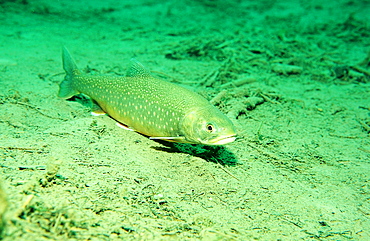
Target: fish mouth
[223, 140]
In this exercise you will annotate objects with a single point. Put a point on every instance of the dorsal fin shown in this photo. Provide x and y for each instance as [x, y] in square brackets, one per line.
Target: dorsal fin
[137, 70]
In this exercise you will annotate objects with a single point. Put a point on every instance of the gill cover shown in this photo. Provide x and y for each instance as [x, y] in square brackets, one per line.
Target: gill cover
[208, 126]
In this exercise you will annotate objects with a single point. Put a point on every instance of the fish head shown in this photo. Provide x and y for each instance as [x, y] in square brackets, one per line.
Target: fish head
[207, 126]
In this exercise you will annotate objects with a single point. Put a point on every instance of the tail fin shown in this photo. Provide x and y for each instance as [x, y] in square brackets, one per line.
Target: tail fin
[66, 88]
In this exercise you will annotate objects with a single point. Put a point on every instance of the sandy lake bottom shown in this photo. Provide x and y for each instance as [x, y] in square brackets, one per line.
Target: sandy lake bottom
[293, 76]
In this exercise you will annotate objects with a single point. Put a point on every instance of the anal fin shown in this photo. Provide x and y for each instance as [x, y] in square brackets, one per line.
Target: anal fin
[96, 110]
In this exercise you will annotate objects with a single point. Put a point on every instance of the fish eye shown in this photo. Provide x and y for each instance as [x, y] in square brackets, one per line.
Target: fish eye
[210, 128]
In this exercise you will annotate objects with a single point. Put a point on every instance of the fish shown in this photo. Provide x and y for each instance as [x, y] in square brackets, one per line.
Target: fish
[149, 105]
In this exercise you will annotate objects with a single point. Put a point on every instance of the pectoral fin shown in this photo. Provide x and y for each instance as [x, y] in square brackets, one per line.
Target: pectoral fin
[169, 138]
[124, 126]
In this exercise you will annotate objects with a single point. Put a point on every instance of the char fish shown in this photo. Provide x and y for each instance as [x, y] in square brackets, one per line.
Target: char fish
[151, 106]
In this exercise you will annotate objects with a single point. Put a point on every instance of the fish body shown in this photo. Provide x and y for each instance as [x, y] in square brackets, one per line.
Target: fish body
[151, 106]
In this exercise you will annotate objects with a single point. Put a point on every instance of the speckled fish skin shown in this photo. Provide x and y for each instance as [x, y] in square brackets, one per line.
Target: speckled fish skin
[153, 107]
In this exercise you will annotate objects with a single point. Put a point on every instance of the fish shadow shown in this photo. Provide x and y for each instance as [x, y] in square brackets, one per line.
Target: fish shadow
[82, 99]
[215, 154]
